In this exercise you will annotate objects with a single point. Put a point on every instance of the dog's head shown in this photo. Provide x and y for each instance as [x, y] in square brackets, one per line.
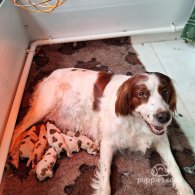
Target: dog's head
[150, 96]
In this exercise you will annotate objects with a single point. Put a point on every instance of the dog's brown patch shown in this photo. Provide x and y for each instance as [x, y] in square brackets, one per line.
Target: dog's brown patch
[92, 146]
[77, 134]
[79, 143]
[52, 164]
[52, 131]
[65, 86]
[43, 171]
[167, 90]
[38, 145]
[26, 136]
[33, 141]
[102, 80]
[54, 139]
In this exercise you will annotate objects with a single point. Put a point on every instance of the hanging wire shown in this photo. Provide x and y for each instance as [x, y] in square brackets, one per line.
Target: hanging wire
[45, 6]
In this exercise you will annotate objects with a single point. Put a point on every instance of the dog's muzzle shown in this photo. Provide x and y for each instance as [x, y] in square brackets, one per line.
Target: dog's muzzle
[162, 117]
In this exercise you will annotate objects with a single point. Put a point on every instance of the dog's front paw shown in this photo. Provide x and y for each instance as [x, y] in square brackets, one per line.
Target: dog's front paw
[100, 190]
[185, 189]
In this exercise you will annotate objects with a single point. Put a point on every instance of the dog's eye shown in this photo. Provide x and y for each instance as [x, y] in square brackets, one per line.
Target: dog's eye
[141, 94]
[165, 92]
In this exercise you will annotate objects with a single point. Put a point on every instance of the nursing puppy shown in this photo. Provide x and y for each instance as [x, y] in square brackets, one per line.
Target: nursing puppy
[44, 168]
[84, 142]
[39, 148]
[115, 110]
[56, 140]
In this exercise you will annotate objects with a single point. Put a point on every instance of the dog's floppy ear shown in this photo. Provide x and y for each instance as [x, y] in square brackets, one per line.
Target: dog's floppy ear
[124, 104]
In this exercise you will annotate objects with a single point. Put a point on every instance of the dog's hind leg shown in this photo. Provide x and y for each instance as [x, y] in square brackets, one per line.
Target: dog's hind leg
[31, 118]
[42, 103]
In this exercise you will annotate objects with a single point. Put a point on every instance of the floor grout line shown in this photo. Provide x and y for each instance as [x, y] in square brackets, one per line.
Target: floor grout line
[158, 57]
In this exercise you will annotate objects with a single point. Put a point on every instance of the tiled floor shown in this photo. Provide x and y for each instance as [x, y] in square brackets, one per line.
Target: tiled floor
[177, 60]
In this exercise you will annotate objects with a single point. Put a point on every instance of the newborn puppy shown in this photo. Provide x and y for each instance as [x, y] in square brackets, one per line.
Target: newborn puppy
[85, 143]
[13, 159]
[28, 143]
[45, 166]
[56, 140]
[73, 143]
[39, 147]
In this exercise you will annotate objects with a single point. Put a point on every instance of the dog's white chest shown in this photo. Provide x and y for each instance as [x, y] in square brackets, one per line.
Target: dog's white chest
[132, 135]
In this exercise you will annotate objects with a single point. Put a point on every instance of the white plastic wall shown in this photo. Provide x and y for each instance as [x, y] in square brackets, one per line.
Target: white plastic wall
[89, 17]
[13, 42]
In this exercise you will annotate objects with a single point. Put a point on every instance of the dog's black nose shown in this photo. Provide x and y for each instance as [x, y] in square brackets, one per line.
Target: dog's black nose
[162, 117]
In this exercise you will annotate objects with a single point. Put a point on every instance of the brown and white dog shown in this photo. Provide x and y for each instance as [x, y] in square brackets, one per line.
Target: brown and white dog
[116, 110]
